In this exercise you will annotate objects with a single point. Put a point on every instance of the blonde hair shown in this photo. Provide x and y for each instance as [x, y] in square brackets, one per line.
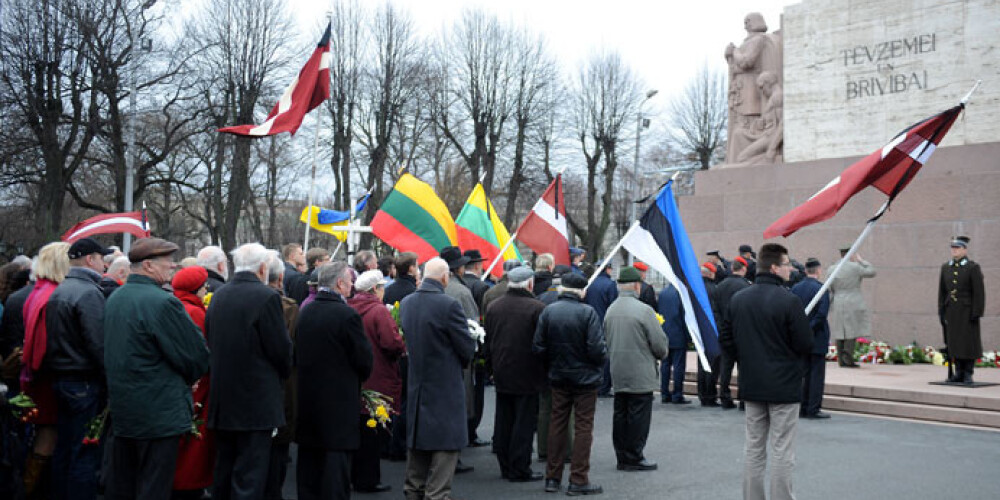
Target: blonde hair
[53, 262]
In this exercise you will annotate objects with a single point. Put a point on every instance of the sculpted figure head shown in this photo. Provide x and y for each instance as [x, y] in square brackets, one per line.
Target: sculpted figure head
[766, 82]
[754, 23]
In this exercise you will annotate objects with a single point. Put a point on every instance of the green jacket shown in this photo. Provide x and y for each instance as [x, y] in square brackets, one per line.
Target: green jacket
[153, 353]
[635, 343]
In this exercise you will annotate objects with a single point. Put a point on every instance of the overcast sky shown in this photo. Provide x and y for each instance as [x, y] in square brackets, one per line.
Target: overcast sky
[664, 42]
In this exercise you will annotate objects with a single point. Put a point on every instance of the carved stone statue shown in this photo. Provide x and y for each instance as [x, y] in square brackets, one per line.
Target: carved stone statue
[755, 101]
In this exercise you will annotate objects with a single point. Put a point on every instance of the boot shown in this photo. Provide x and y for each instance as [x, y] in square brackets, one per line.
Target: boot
[841, 357]
[36, 472]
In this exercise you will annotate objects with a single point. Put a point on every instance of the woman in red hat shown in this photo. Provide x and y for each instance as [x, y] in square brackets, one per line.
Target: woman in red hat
[196, 456]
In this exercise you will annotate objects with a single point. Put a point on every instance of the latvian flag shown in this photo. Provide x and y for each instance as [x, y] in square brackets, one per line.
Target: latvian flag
[311, 88]
[133, 223]
[889, 170]
[544, 229]
[659, 240]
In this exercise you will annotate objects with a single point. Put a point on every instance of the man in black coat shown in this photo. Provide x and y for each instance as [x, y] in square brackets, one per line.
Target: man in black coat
[812, 386]
[544, 273]
[767, 331]
[251, 357]
[518, 373]
[961, 302]
[213, 259]
[295, 282]
[404, 284]
[333, 357]
[439, 345]
[707, 391]
[724, 293]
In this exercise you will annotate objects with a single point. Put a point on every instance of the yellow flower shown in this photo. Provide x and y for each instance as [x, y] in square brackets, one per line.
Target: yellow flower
[207, 299]
[371, 423]
[659, 318]
[381, 413]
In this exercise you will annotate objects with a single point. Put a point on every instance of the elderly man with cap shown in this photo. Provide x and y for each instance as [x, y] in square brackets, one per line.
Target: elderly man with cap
[961, 300]
[154, 353]
[812, 386]
[498, 290]
[646, 295]
[247, 391]
[635, 345]
[75, 359]
[849, 316]
[569, 339]
[510, 329]
[724, 293]
[707, 391]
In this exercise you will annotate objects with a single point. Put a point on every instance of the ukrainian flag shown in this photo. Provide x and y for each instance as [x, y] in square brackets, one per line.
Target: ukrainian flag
[330, 221]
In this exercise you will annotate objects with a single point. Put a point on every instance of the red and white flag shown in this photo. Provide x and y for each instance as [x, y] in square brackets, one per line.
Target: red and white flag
[311, 88]
[889, 170]
[544, 229]
[133, 223]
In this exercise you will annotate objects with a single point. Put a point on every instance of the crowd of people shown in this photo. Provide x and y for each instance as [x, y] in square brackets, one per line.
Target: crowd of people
[156, 380]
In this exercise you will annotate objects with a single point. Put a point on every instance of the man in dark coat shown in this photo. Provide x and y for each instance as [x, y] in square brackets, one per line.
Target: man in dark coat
[812, 386]
[251, 358]
[961, 300]
[404, 284]
[473, 277]
[439, 344]
[498, 290]
[669, 306]
[746, 251]
[518, 373]
[295, 281]
[333, 358]
[722, 266]
[767, 331]
[600, 294]
[75, 357]
[733, 283]
[570, 340]
[544, 273]
[213, 259]
[707, 391]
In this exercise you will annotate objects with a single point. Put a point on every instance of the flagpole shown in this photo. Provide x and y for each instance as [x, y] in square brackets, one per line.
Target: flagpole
[312, 181]
[850, 253]
[611, 254]
[351, 229]
[499, 257]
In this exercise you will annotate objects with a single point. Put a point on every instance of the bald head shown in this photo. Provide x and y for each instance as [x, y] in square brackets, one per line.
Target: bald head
[436, 269]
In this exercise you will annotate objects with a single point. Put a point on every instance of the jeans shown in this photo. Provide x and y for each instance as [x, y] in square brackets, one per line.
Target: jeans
[674, 366]
[75, 466]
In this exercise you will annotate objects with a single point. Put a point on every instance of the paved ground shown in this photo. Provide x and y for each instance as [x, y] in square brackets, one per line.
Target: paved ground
[700, 455]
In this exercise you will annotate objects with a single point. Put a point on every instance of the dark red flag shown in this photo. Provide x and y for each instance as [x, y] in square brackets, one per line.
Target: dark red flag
[889, 170]
[544, 229]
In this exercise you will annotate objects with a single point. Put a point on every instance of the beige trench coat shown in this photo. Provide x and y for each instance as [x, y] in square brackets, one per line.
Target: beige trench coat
[849, 315]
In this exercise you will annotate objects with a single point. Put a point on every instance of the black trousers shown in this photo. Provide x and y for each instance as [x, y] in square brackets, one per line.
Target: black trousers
[513, 430]
[366, 472]
[964, 369]
[322, 474]
[726, 377]
[397, 445]
[707, 391]
[630, 427]
[242, 460]
[812, 384]
[479, 399]
[276, 471]
[142, 468]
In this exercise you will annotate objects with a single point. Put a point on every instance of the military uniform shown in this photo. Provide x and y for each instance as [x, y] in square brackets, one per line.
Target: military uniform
[961, 300]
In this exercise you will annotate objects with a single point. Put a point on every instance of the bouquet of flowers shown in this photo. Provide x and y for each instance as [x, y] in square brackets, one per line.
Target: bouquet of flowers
[378, 405]
[394, 312]
[22, 407]
[95, 428]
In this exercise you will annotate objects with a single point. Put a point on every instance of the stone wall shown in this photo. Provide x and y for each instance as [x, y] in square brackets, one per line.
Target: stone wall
[857, 72]
[957, 192]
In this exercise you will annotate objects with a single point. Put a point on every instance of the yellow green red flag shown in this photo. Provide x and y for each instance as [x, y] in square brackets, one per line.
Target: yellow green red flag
[479, 228]
[413, 219]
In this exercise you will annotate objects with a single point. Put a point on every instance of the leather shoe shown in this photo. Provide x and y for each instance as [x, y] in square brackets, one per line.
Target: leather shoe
[642, 465]
[378, 488]
[584, 489]
[461, 468]
[535, 476]
[551, 486]
[728, 404]
[476, 443]
[818, 415]
[681, 401]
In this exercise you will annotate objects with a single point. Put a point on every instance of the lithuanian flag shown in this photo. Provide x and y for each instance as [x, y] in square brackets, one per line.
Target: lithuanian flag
[479, 228]
[413, 219]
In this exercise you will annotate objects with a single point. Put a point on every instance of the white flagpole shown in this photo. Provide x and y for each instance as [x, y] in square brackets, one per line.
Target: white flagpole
[499, 257]
[312, 182]
[611, 254]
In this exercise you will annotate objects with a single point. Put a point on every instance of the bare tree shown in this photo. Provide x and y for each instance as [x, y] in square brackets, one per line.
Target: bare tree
[346, 69]
[698, 118]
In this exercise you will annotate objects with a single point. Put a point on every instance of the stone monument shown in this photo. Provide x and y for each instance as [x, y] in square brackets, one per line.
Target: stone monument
[755, 96]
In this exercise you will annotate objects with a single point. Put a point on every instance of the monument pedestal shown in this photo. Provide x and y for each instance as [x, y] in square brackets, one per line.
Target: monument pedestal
[957, 192]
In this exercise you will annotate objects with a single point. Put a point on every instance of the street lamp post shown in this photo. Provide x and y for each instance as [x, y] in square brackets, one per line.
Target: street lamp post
[639, 125]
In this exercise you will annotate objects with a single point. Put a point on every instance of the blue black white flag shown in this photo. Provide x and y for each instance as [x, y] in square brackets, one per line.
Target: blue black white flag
[659, 240]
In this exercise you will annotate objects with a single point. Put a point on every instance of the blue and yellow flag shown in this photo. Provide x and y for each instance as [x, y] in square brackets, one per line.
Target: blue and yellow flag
[330, 221]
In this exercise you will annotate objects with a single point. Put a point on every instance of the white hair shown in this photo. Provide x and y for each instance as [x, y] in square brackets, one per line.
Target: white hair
[436, 269]
[275, 266]
[118, 264]
[209, 256]
[520, 285]
[249, 257]
[22, 260]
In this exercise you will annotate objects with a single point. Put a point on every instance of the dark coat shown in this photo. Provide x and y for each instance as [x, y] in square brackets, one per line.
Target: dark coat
[333, 358]
[108, 285]
[601, 293]
[510, 331]
[961, 302]
[766, 331]
[286, 434]
[805, 290]
[647, 295]
[12, 320]
[712, 290]
[495, 292]
[399, 289]
[671, 308]
[214, 281]
[570, 340]
[75, 323]
[724, 292]
[478, 287]
[295, 284]
[439, 345]
[543, 281]
[387, 345]
[251, 356]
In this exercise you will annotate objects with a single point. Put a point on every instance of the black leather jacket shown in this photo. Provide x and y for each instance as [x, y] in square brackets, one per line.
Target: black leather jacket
[75, 323]
[570, 340]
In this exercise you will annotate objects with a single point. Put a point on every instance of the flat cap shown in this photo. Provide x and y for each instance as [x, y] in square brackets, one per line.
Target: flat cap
[573, 280]
[511, 264]
[149, 248]
[629, 275]
[520, 274]
[713, 252]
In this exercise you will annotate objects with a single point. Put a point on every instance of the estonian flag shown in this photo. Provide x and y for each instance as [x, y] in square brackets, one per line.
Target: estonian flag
[659, 239]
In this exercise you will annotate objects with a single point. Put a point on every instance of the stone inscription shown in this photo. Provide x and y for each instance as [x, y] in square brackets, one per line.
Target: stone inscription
[880, 58]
